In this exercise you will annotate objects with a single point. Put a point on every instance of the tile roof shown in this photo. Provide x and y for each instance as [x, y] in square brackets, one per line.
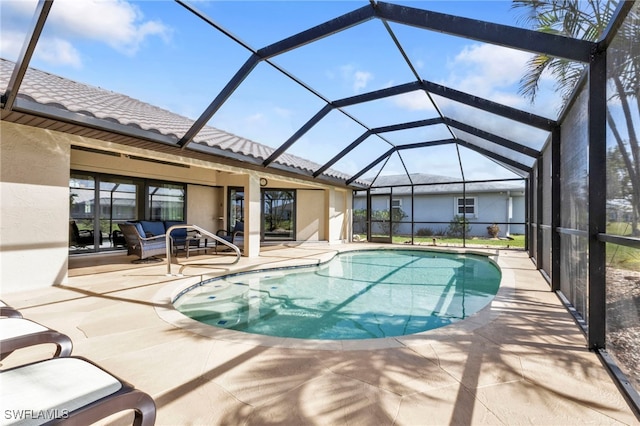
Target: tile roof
[52, 90]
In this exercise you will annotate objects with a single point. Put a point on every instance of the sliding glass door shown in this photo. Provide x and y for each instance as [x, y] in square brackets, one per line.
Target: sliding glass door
[278, 214]
[82, 213]
[118, 204]
[98, 203]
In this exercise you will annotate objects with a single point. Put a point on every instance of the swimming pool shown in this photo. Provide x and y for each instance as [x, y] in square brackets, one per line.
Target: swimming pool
[357, 295]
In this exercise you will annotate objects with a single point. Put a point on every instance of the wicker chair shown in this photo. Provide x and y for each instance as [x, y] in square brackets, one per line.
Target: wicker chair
[143, 247]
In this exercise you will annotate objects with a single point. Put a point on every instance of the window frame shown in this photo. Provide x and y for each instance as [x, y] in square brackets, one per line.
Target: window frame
[457, 206]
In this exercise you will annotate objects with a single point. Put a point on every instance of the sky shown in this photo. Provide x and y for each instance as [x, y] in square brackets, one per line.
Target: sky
[160, 53]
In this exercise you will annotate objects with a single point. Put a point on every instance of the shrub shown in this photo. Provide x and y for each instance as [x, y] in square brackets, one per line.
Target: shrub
[458, 227]
[493, 230]
[425, 232]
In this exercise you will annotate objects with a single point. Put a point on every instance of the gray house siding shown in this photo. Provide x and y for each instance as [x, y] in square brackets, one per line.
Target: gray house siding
[437, 210]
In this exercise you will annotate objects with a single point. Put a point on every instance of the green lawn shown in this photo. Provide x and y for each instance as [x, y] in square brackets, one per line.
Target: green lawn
[516, 242]
[621, 257]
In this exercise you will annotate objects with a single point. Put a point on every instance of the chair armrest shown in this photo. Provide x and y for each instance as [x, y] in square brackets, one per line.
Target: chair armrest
[6, 311]
[154, 238]
[19, 333]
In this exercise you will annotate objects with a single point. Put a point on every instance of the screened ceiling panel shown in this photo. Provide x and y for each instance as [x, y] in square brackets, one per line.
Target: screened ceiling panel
[479, 167]
[362, 155]
[158, 53]
[357, 60]
[481, 69]
[309, 79]
[267, 107]
[393, 165]
[328, 137]
[14, 22]
[419, 134]
[441, 160]
[262, 23]
[492, 123]
[411, 106]
[493, 147]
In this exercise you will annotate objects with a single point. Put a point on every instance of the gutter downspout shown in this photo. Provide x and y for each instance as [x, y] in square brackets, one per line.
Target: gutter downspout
[509, 213]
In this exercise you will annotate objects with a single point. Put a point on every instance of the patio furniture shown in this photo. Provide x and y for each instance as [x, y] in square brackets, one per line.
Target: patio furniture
[237, 231]
[181, 239]
[80, 238]
[140, 245]
[8, 311]
[16, 333]
[117, 239]
[69, 389]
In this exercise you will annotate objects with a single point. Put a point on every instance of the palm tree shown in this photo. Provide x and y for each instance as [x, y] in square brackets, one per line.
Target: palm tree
[587, 20]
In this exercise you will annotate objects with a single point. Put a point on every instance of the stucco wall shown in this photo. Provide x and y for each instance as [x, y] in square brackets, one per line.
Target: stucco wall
[310, 215]
[339, 226]
[205, 207]
[34, 189]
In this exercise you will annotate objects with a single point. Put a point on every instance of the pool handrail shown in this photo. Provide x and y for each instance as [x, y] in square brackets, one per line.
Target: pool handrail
[201, 231]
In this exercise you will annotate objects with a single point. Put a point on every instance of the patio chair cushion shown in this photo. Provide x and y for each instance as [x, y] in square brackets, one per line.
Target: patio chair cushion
[14, 327]
[153, 228]
[139, 228]
[177, 234]
[55, 387]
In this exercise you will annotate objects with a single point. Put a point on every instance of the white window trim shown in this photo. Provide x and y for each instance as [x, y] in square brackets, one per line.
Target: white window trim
[456, 212]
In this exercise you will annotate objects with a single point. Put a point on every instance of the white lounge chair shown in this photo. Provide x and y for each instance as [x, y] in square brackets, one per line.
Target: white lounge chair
[68, 389]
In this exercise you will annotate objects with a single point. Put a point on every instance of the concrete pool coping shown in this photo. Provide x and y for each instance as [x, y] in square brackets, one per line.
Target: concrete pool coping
[163, 302]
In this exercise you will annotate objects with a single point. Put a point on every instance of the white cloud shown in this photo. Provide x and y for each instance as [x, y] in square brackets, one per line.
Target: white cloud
[10, 44]
[116, 23]
[487, 66]
[361, 79]
[413, 101]
[355, 78]
[257, 118]
[59, 52]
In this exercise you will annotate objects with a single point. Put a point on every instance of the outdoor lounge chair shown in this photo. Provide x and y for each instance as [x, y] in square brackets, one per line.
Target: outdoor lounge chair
[140, 245]
[69, 389]
[81, 238]
[16, 333]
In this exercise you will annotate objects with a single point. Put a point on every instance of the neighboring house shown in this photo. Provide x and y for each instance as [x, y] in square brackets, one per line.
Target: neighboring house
[438, 199]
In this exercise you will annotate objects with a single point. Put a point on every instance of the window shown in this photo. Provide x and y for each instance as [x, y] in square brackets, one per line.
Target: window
[278, 214]
[396, 203]
[236, 206]
[166, 201]
[99, 202]
[466, 206]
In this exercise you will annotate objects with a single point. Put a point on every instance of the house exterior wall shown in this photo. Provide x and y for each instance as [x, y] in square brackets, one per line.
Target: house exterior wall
[34, 190]
[310, 215]
[437, 210]
[339, 218]
[204, 206]
[35, 170]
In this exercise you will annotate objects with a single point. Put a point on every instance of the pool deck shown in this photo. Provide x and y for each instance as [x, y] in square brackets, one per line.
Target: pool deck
[521, 360]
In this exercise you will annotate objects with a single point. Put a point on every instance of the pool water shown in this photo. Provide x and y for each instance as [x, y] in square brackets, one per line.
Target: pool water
[356, 295]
